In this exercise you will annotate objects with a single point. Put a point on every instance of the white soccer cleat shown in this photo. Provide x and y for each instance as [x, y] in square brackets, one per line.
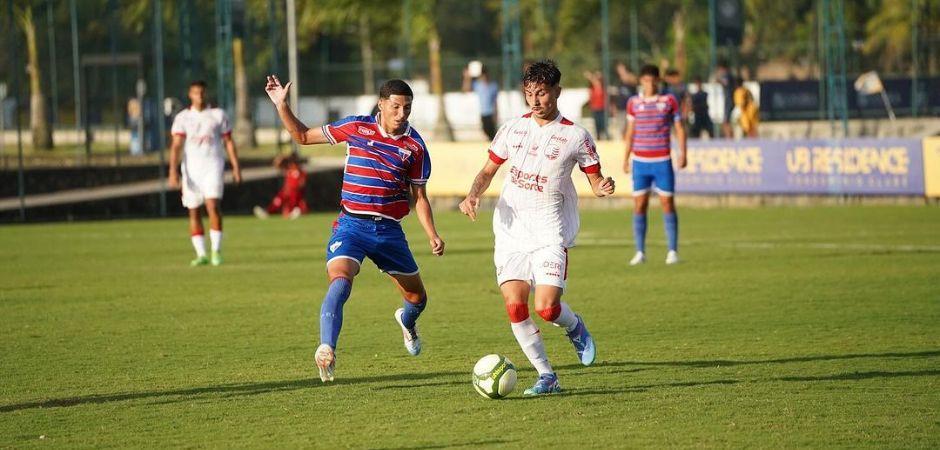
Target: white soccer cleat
[326, 362]
[638, 258]
[294, 214]
[411, 337]
[672, 257]
[260, 212]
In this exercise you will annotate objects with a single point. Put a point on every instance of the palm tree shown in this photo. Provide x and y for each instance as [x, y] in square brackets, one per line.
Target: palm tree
[426, 29]
[38, 120]
[244, 128]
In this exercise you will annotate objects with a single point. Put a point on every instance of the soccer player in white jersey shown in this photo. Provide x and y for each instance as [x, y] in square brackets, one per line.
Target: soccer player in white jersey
[536, 218]
[201, 132]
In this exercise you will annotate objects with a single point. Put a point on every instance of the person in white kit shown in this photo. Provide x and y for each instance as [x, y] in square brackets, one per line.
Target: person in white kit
[200, 132]
[536, 218]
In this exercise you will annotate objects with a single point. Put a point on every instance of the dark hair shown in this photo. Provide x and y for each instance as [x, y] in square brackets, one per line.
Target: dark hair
[671, 72]
[542, 72]
[650, 69]
[199, 83]
[395, 87]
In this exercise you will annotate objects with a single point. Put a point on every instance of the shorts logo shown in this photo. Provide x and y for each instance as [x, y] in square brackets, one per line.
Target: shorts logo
[552, 152]
[365, 131]
[335, 246]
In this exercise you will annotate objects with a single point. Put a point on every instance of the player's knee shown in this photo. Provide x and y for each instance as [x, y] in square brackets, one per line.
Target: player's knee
[416, 298]
[550, 313]
[518, 311]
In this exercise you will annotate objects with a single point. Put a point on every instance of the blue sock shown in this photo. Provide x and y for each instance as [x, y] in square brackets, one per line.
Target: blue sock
[412, 312]
[639, 231]
[331, 312]
[671, 222]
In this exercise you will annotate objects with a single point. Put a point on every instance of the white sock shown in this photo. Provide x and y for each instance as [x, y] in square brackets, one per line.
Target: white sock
[215, 237]
[566, 319]
[199, 243]
[530, 339]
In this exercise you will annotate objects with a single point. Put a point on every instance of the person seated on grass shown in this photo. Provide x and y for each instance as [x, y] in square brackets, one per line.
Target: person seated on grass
[289, 200]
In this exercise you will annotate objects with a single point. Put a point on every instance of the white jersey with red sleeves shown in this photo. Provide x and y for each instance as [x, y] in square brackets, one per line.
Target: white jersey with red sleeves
[652, 119]
[203, 131]
[538, 205]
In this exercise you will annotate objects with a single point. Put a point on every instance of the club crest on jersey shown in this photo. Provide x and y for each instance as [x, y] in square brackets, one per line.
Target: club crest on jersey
[404, 153]
[552, 152]
[335, 246]
[534, 150]
[661, 106]
[365, 131]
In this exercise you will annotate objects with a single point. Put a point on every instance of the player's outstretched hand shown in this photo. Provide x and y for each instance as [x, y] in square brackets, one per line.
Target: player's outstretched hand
[605, 187]
[276, 91]
[437, 246]
[469, 207]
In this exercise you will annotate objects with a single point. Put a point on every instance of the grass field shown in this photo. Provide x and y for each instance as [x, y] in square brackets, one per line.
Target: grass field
[813, 327]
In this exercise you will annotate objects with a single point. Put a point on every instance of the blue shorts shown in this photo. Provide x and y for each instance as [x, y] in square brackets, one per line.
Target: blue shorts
[382, 241]
[658, 175]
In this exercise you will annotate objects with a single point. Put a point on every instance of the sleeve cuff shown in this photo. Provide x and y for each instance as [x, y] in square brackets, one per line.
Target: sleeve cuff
[593, 168]
[329, 136]
[496, 159]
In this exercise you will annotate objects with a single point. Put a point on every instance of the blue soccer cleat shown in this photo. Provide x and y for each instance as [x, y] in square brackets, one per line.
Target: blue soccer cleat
[546, 384]
[583, 343]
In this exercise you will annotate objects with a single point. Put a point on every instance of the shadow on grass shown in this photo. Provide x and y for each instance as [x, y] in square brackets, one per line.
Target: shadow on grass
[228, 390]
[450, 445]
[731, 362]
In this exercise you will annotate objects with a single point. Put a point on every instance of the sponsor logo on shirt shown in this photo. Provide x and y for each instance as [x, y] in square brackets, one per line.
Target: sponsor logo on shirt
[527, 181]
[561, 139]
[590, 148]
[520, 132]
[552, 152]
[365, 131]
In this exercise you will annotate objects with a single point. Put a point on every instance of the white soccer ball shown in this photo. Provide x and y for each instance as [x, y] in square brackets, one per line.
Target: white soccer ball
[494, 376]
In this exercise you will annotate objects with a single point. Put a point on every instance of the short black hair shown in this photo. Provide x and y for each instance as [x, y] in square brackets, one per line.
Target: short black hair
[671, 72]
[395, 87]
[200, 83]
[650, 69]
[542, 72]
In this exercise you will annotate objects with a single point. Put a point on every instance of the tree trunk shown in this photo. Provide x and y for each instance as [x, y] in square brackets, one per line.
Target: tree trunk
[365, 47]
[244, 129]
[442, 129]
[678, 27]
[38, 120]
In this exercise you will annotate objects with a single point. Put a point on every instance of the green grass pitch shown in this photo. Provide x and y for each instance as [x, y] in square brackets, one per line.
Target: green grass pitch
[783, 327]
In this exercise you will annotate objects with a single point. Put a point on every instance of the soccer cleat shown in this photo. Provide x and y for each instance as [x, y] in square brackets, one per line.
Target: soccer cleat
[294, 213]
[260, 212]
[216, 258]
[583, 343]
[326, 362]
[638, 258]
[199, 261]
[672, 257]
[546, 384]
[411, 337]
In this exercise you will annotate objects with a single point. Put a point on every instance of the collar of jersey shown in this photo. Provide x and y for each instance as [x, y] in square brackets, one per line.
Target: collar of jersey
[557, 119]
[650, 97]
[378, 125]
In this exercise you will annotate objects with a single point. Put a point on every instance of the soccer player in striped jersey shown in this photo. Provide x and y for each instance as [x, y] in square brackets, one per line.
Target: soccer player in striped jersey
[650, 115]
[385, 161]
[536, 218]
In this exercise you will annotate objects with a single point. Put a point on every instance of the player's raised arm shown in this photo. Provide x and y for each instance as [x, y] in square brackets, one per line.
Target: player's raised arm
[482, 181]
[301, 133]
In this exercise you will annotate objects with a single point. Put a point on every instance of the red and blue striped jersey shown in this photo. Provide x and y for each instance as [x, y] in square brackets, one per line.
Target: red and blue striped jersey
[380, 168]
[652, 118]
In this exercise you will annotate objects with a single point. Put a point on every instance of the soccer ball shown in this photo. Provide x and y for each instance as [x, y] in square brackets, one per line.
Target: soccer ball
[494, 376]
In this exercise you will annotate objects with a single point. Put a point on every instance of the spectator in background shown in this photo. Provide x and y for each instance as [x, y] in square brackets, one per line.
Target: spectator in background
[701, 120]
[745, 111]
[625, 89]
[289, 201]
[476, 78]
[676, 88]
[723, 77]
[597, 102]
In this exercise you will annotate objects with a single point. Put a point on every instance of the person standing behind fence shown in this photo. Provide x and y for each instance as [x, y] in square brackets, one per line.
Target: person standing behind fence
[597, 103]
[476, 79]
[201, 132]
[701, 120]
[746, 111]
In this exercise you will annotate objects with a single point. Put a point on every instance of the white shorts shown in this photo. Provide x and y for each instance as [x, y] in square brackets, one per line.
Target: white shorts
[546, 266]
[202, 185]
